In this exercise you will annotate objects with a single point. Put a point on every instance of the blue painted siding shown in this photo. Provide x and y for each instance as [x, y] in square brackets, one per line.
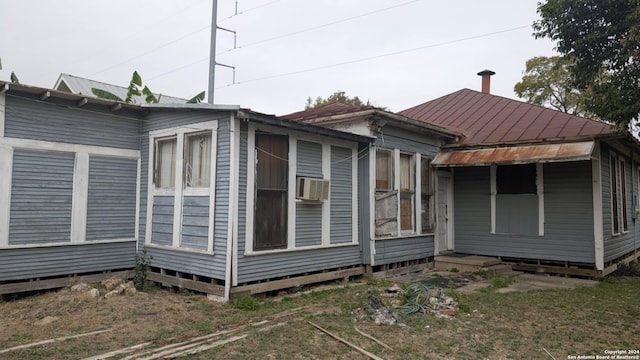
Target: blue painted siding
[41, 197]
[33, 120]
[111, 203]
[341, 195]
[568, 216]
[410, 248]
[162, 226]
[308, 224]
[195, 222]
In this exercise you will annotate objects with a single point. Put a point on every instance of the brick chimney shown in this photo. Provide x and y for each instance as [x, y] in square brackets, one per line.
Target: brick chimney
[486, 80]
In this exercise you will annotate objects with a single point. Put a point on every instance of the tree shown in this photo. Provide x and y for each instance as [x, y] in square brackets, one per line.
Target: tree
[338, 96]
[547, 81]
[602, 36]
[13, 76]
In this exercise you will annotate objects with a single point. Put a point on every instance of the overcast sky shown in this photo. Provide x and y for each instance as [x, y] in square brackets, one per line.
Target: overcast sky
[394, 53]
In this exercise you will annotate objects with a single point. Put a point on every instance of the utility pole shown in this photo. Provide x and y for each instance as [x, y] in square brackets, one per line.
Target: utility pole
[212, 52]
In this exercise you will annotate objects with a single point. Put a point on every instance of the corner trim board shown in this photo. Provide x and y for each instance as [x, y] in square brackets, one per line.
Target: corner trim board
[6, 166]
[598, 231]
[3, 106]
[80, 196]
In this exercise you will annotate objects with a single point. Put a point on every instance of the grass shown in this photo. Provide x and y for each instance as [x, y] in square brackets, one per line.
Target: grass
[584, 321]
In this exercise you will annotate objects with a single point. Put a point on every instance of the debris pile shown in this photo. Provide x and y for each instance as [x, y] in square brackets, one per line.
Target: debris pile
[110, 287]
[425, 299]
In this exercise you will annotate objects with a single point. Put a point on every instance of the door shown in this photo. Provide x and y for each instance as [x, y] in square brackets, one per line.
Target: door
[444, 213]
[270, 221]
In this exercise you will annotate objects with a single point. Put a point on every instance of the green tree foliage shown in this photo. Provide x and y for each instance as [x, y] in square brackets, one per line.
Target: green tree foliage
[133, 90]
[602, 36]
[338, 96]
[547, 82]
[13, 76]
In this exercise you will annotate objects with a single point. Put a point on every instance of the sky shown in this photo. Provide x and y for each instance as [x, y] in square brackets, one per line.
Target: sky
[392, 53]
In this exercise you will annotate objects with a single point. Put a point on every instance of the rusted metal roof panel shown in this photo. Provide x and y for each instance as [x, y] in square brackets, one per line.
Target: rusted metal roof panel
[516, 154]
[486, 119]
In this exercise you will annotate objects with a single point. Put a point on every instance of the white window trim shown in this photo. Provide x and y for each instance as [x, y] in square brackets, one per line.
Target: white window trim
[598, 228]
[294, 137]
[616, 178]
[397, 180]
[82, 154]
[539, 192]
[179, 191]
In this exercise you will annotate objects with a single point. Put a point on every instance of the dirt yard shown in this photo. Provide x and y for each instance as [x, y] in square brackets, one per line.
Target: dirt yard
[488, 324]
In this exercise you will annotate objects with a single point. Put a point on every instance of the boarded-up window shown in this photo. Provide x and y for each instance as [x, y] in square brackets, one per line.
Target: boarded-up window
[270, 225]
[165, 171]
[517, 200]
[384, 169]
[198, 159]
[407, 192]
[425, 195]
[516, 179]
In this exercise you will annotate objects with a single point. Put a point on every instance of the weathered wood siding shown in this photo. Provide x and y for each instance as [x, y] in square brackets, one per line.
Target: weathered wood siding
[111, 203]
[41, 197]
[568, 204]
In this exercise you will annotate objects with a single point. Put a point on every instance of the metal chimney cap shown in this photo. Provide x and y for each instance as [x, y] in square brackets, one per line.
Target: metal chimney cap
[486, 72]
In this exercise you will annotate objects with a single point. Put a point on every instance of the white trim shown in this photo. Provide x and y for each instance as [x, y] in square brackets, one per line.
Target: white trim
[6, 166]
[30, 144]
[396, 187]
[451, 235]
[302, 248]
[598, 229]
[372, 203]
[493, 191]
[234, 155]
[212, 188]
[79, 198]
[326, 205]
[540, 189]
[251, 189]
[3, 104]
[354, 194]
[291, 192]
[418, 194]
[150, 191]
[58, 244]
[182, 249]
[178, 188]
[138, 182]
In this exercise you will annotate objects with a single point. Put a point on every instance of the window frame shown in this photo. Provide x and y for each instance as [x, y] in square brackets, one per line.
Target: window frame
[157, 161]
[618, 188]
[187, 155]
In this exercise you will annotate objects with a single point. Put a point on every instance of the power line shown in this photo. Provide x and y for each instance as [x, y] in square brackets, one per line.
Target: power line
[324, 25]
[379, 56]
[247, 10]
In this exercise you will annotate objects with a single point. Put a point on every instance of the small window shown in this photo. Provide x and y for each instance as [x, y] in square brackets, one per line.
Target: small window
[623, 196]
[165, 172]
[384, 170]
[425, 195]
[516, 179]
[198, 160]
[614, 194]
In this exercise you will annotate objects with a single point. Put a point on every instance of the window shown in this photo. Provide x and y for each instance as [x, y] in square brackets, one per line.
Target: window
[517, 206]
[402, 206]
[407, 192]
[617, 173]
[425, 195]
[384, 169]
[165, 164]
[198, 160]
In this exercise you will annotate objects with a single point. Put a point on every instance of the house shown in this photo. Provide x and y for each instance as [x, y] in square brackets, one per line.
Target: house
[398, 219]
[224, 199]
[540, 188]
[83, 86]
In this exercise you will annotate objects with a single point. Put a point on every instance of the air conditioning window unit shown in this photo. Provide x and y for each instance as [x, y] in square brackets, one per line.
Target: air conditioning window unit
[312, 189]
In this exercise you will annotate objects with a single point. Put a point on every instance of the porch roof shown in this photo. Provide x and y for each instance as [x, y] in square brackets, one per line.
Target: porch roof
[574, 151]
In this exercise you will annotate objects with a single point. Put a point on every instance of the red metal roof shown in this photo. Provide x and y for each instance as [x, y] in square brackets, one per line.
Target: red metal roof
[327, 110]
[486, 119]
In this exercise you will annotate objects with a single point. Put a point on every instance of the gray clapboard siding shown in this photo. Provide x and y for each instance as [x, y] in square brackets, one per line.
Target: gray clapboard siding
[309, 159]
[341, 195]
[41, 197]
[111, 203]
[162, 226]
[615, 246]
[214, 265]
[33, 120]
[394, 138]
[267, 266]
[195, 222]
[34, 262]
[568, 216]
[403, 249]
[308, 224]
[183, 261]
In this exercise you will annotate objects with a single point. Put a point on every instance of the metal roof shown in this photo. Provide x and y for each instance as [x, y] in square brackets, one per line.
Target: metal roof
[516, 154]
[327, 110]
[83, 86]
[486, 119]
